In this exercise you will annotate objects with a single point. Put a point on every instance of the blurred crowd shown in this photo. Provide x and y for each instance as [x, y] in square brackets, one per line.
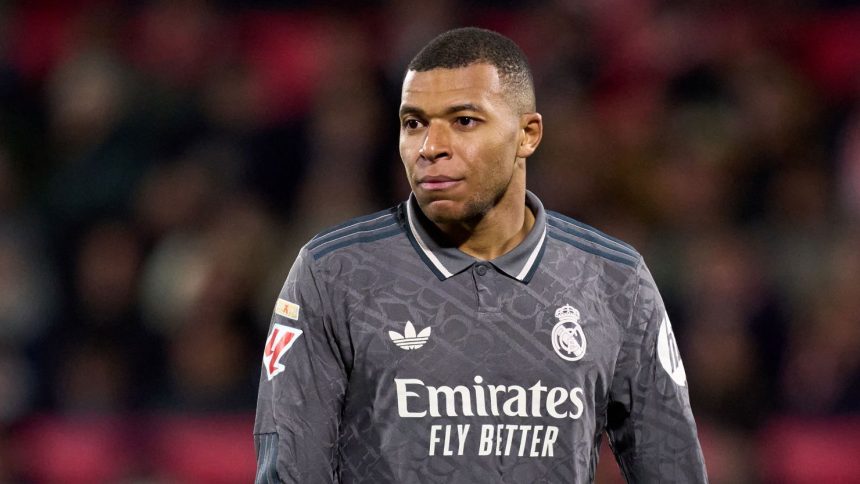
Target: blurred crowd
[161, 163]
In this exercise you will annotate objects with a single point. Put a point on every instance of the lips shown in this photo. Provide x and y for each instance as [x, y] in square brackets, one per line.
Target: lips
[433, 183]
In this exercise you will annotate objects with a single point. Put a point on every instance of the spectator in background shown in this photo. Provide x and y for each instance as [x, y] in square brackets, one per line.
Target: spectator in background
[100, 355]
[28, 298]
[822, 374]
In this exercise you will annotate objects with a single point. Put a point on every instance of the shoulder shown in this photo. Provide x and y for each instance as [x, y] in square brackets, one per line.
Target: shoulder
[581, 237]
[357, 232]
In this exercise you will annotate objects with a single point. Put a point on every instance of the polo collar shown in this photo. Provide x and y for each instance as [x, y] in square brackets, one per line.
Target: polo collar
[446, 261]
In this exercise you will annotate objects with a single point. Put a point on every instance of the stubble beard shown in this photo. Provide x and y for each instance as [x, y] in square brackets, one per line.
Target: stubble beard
[473, 209]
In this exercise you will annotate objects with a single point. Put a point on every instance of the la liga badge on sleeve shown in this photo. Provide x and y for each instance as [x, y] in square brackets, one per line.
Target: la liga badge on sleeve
[279, 341]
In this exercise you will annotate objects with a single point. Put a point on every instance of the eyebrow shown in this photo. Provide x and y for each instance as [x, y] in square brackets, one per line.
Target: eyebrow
[408, 109]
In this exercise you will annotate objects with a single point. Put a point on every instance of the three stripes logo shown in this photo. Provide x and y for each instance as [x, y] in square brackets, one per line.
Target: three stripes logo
[410, 340]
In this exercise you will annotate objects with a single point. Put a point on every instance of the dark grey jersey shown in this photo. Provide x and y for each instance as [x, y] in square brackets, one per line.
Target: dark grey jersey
[392, 358]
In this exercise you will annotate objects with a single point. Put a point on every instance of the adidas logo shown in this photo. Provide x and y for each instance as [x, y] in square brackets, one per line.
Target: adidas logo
[409, 340]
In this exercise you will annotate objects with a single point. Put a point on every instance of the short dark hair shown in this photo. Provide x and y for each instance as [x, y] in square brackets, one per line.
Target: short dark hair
[470, 45]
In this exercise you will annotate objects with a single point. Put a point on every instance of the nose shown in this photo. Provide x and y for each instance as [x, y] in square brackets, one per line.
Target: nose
[436, 143]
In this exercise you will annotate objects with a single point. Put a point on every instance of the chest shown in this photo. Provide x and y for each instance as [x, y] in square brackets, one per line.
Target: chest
[482, 325]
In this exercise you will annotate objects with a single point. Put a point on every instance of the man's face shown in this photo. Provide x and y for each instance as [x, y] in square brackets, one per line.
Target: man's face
[459, 138]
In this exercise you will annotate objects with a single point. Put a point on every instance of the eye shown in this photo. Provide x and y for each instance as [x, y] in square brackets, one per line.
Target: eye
[466, 121]
[411, 123]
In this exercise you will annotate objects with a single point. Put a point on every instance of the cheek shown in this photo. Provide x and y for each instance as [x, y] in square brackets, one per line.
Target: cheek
[496, 157]
[403, 147]
[407, 155]
[409, 169]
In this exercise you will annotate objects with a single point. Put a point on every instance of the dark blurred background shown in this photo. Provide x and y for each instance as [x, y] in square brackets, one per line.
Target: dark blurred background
[161, 163]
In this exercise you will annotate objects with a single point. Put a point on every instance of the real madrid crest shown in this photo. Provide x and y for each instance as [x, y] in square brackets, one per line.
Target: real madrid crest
[568, 339]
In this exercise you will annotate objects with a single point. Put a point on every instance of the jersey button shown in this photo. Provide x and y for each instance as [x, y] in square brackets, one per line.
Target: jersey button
[481, 269]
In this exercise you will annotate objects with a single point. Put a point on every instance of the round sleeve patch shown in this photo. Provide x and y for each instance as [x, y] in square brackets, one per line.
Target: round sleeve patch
[668, 354]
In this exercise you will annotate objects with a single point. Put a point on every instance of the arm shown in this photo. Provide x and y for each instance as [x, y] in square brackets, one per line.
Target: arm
[302, 385]
[650, 422]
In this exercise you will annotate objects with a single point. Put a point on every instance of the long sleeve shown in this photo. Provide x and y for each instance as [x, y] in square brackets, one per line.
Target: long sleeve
[302, 385]
[650, 422]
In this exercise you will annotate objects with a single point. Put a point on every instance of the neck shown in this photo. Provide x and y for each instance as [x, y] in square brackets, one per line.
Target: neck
[497, 232]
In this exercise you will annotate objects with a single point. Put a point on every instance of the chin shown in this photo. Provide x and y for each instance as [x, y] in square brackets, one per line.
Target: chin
[442, 211]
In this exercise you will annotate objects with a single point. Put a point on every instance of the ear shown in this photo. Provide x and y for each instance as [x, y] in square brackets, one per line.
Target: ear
[531, 132]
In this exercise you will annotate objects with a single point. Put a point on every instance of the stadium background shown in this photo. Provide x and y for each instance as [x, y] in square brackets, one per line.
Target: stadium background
[162, 162]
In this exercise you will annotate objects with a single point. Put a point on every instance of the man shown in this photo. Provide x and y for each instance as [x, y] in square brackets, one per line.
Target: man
[468, 335]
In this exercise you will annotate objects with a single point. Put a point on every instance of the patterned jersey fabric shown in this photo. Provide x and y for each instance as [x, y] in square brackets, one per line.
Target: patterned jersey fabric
[393, 358]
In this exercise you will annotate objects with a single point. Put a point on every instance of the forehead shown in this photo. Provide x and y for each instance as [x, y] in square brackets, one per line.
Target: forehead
[477, 83]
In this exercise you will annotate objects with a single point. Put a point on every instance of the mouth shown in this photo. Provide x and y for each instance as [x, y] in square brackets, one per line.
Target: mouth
[436, 183]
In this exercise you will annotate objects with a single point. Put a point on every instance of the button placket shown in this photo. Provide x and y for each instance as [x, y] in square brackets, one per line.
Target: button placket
[485, 284]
